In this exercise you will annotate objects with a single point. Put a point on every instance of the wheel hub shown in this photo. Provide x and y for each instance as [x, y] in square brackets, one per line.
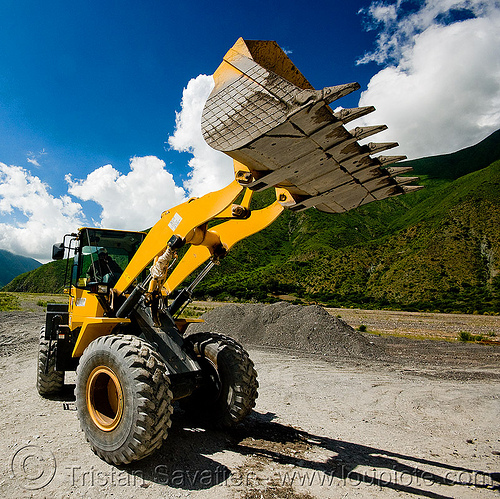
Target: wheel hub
[104, 398]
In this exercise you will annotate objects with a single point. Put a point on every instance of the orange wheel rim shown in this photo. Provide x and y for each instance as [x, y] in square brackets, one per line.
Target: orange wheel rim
[104, 398]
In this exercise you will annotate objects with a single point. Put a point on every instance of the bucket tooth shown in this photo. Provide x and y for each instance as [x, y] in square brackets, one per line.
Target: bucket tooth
[388, 160]
[328, 94]
[348, 115]
[406, 180]
[411, 188]
[331, 94]
[398, 170]
[361, 132]
[350, 151]
[376, 147]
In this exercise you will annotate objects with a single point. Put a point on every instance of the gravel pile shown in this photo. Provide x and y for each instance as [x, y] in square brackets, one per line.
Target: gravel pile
[307, 329]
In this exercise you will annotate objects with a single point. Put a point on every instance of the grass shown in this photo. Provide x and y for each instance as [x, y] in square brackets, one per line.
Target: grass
[193, 312]
[28, 301]
[414, 336]
[9, 301]
[43, 302]
[411, 336]
[466, 336]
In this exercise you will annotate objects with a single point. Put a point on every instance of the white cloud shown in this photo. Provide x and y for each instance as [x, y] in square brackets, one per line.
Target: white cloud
[133, 201]
[441, 91]
[210, 169]
[137, 199]
[34, 157]
[37, 219]
[398, 26]
[33, 161]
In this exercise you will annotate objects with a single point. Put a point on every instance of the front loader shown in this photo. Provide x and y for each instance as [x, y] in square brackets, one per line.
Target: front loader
[121, 329]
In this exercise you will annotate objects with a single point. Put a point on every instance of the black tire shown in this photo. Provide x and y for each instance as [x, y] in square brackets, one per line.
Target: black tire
[123, 398]
[49, 382]
[230, 393]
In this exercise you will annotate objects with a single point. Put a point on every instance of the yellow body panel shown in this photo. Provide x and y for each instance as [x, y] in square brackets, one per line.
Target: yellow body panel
[92, 328]
[87, 314]
[82, 306]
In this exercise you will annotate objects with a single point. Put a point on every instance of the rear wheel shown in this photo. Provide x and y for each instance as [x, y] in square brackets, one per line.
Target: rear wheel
[49, 382]
[123, 398]
[231, 388]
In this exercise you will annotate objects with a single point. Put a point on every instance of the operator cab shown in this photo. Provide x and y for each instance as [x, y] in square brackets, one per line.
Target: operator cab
[104, 254]
[100, 256]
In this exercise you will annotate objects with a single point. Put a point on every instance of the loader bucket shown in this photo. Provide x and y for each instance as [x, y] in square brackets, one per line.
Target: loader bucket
[265, 114]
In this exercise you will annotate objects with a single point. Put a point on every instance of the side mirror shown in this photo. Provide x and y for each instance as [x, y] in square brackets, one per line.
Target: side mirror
[58, 251]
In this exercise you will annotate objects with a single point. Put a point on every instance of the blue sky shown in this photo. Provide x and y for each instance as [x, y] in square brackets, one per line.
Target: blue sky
[99, 99]
[94, 82]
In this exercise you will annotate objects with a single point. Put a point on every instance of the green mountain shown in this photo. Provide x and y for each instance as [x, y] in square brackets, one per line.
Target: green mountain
[436, 249]
[457, 164]
[48, 278]
[12, 265]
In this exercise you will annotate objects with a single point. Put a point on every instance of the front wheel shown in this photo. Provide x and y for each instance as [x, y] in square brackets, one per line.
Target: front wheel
[123, 398]
[230, 390]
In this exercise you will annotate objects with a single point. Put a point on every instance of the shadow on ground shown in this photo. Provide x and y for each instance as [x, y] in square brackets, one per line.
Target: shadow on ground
[184, 462]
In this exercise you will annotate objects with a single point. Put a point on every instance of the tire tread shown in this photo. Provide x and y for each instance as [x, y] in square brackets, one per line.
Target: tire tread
[51, 382]
[154, 397]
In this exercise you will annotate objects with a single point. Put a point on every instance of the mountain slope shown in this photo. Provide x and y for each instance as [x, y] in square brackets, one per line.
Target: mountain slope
[48, 278]
[12, 265]
[457, 164]
[436, 249]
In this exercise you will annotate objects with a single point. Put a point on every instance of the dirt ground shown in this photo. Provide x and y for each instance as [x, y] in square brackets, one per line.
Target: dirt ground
[421, 324]
[419, 418]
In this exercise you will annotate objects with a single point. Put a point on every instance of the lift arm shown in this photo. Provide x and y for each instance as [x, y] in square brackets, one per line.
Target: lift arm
[228, 233]
[182, 221]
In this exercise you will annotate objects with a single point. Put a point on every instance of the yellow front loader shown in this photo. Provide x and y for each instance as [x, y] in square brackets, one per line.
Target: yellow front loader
[120, 329]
